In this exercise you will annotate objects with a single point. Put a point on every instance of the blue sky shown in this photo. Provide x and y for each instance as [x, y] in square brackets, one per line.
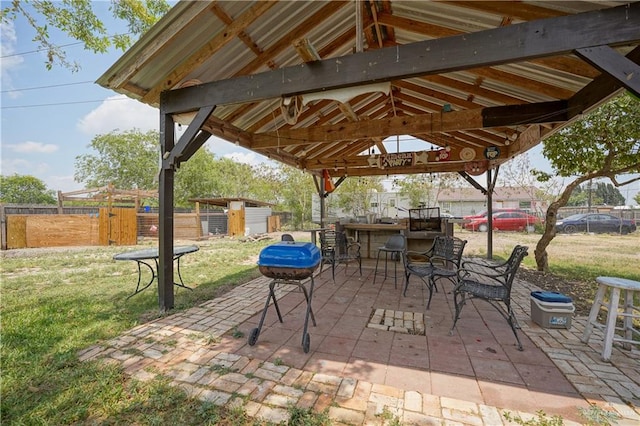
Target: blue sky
[49, 117]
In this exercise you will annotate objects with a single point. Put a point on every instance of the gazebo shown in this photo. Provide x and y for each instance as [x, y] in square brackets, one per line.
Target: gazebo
[320, 85]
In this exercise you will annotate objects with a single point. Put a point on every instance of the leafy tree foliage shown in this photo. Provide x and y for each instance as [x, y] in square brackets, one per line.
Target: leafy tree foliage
[424, 189]
[296, 189]
[25, 189]
[78, 20]
[601, 193]
[355, 193]
[637, 198]
[128, 160]
[604, 144]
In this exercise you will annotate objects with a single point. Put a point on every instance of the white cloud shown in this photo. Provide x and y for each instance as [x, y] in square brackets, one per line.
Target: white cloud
[16, 165]
[247, 158]
[119, 113]
[10, 61]
[62, 183]
[33, 147]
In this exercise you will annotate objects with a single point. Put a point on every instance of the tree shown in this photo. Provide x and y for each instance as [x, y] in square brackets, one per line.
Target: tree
[78, 20]
[637, 198]
[128, 160]
[604, 144]
[423, 189]
[609, 194]
[196, 178]
[25, 189]
[297, 187]
[354, 194]
[601, 194]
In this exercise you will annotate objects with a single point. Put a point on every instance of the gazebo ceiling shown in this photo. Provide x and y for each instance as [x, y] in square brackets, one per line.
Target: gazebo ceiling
[472, 83]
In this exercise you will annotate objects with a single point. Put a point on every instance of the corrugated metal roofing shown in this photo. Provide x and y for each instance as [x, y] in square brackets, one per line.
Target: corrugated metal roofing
[214, 41]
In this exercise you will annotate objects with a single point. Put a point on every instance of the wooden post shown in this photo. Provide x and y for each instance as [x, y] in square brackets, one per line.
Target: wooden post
[165, 226]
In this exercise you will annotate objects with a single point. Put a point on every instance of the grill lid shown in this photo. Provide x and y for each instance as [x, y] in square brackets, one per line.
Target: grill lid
[290, 254]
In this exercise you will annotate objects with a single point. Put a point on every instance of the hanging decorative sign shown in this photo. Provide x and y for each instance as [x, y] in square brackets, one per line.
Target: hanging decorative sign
[374, 161]
[491, 153]
[443, 154]
[397, 160]
[476, 168]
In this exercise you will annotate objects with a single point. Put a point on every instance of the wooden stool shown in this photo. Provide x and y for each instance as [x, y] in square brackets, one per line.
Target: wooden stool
[613, 286]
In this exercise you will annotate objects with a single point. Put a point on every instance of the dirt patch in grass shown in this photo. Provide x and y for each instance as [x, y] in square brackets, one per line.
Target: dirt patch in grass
[582, 293]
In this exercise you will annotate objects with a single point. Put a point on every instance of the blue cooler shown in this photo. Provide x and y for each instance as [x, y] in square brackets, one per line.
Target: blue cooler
[550, 309]
[289, 260]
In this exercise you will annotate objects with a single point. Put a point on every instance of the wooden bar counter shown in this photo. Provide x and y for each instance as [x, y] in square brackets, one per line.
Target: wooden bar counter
[374, 235]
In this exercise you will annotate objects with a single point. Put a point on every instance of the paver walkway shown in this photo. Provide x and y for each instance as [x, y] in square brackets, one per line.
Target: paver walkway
[362, 374]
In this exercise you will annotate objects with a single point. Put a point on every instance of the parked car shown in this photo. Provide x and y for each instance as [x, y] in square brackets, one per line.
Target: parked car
[595, 222]
[505, 221]
[483, 213]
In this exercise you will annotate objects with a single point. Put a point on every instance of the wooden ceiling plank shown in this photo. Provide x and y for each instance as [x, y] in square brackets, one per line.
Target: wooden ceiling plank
[296, 33]
[520, 10]
[427, 123]
[228, 20]
[505, 77]
[208, 49]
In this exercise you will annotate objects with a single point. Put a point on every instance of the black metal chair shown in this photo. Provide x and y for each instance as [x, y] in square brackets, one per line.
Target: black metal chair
[336, 248]
[395, 246]
[491, 283]
[347, 251]
[327, 249]
[442, 260]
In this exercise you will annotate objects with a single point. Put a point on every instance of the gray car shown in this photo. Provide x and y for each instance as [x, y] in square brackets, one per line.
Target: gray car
[595, 222]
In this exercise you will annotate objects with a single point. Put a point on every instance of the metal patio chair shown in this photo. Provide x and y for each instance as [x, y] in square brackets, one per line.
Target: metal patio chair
[396, 245]
[491, 283]
[441, 260]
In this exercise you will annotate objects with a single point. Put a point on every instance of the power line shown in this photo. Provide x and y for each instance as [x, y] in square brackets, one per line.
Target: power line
[62, 103]
[46, 87]
[44, 49]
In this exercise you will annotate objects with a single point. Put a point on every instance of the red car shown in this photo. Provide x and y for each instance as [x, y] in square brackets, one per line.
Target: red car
[505, 221]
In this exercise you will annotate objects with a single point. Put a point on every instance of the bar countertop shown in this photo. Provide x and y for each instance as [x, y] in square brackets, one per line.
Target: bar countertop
[375, 226]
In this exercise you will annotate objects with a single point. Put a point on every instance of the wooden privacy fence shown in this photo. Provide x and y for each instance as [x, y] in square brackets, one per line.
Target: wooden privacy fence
[115, 226]
[30, 228]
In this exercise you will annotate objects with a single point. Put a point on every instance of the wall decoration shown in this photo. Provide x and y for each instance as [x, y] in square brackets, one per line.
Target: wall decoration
[443, 154]
[467, 154]
[421, 157]
[476, 168]
[492, 152]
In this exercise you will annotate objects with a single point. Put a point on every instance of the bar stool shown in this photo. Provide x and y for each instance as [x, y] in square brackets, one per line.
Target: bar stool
[396, 246]
[610, 288]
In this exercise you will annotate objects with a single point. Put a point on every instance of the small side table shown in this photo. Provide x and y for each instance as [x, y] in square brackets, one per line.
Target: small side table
[609, 291]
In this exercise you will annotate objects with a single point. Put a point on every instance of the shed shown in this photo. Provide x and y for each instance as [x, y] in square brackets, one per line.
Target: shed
[244, 216]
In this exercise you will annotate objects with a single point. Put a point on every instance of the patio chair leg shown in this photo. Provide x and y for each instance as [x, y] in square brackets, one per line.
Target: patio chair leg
[406, 284]
[458, 306]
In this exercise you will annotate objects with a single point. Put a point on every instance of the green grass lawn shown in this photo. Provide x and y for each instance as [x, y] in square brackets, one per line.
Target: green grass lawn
[57, 303]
